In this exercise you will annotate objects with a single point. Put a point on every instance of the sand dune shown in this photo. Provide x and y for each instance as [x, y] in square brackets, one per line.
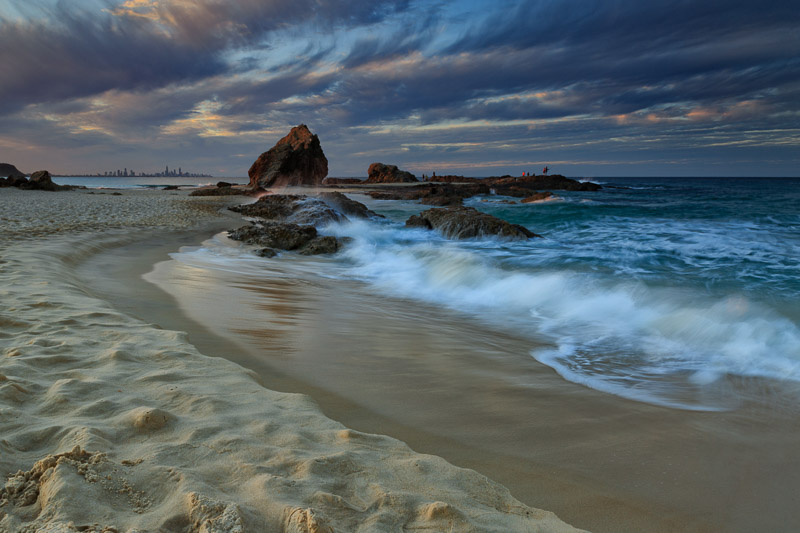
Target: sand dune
[108, 423]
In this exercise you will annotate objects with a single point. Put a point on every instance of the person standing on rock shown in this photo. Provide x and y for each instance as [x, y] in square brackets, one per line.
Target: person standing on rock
[544, 171]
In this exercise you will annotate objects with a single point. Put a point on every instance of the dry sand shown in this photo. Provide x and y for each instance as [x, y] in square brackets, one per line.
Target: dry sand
[108, 423]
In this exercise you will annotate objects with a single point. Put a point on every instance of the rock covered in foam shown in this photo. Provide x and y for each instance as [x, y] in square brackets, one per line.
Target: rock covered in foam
[301, 209]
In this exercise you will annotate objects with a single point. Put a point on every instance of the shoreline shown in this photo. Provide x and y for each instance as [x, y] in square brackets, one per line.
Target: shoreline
[602, 462]
[593, 490]
[590, 489]
[99, 406]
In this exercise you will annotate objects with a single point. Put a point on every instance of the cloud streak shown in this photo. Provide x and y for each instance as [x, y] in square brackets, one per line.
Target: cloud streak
[566, 77]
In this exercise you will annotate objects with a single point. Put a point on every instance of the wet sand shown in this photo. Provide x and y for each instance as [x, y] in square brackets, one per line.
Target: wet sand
[100, 406]
[451, 386]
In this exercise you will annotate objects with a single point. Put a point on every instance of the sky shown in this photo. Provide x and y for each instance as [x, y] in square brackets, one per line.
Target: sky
[477, 88]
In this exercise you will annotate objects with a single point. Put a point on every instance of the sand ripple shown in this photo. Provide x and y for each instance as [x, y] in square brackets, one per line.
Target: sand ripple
[108, 423]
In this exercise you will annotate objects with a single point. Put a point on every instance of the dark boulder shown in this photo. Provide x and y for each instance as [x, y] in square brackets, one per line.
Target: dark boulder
[321, 245]
[221, 184]
[551, 182]
[380, 173]
[10, 171]
[273, 236]
[466, 223]
[13, 181]
[296, 160]
[42, 181]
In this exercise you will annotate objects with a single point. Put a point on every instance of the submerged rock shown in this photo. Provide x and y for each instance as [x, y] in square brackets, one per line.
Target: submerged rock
[468, 222]
[295, 160]
[538, 197]
[380, 173]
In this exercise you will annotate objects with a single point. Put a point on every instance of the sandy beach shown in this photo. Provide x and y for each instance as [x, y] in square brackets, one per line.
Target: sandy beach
[111, 423]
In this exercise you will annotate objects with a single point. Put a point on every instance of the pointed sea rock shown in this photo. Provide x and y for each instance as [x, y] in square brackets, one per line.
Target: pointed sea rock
[296, 160]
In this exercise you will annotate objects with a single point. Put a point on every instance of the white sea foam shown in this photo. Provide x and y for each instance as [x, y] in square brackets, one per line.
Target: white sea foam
[624, 337]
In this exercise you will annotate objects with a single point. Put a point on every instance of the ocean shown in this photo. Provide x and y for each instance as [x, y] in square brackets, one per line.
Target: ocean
[133, 182]
[668, 291]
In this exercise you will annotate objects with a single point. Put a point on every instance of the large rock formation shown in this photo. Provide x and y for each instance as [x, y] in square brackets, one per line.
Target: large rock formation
[468, 222]
[296, 160]
[380, 173]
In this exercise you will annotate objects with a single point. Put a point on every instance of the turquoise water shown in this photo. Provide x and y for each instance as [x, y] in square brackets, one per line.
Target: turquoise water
[669, 291]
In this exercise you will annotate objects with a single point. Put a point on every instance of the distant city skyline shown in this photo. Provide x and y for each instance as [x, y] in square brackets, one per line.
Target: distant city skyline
[124, 173]
[477, 88]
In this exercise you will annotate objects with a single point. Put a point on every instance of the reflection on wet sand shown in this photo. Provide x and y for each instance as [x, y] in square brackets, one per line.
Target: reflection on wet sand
[454, 386]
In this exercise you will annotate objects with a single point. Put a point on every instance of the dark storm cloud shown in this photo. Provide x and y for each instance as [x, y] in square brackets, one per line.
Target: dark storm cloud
[615, 57]
[678, 75]
[69, 52]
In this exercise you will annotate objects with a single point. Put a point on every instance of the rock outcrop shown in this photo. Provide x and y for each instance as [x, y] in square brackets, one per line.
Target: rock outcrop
[301, 209]
[467, 223]
[380, 173]
[551, 182]
[272, 236]
[13, 181]
[42, 181]
[296, 160]
[7, 170]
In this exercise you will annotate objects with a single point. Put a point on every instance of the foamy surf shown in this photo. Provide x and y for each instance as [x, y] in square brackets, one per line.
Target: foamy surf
[672, 346]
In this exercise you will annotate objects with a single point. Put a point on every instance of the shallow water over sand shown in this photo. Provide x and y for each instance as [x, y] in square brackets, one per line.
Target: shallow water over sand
[468, 389]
